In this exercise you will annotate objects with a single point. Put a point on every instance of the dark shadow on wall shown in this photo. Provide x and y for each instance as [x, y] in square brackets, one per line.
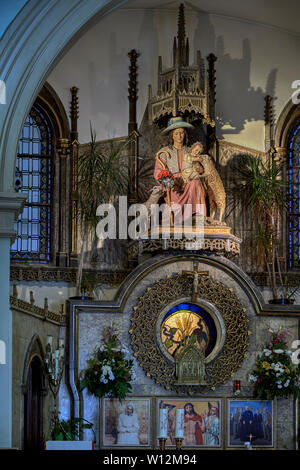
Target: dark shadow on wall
[118, 66]
[237, 102]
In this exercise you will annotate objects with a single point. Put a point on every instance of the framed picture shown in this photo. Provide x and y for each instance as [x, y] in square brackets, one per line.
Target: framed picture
[126, 423]
[202, 421]
[250, 420]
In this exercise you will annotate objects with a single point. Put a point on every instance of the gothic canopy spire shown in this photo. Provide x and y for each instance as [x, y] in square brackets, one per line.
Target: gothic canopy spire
[182, 51]
[183, 89]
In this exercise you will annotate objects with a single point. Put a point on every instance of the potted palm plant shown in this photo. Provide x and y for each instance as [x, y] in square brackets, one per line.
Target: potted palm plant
[65, 435]
[258, 187]
[101, 177]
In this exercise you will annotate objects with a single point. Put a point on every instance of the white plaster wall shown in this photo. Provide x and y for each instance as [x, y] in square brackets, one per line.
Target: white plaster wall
[253, 60]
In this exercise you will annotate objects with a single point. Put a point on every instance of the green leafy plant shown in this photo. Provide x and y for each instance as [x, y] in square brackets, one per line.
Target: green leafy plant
[109, 372]
[102, 175]
[258, 188]
[90, 286]
[274, 374]
[69, 430]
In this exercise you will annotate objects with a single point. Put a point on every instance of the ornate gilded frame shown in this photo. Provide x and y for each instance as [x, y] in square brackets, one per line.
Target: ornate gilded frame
[163, 294]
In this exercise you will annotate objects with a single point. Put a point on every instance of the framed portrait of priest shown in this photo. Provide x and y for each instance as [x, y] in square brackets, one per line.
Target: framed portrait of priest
[250, 423]
[202, 421]
[126, 424]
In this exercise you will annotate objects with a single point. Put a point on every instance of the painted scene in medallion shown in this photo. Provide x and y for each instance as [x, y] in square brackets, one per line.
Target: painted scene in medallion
[185, 322]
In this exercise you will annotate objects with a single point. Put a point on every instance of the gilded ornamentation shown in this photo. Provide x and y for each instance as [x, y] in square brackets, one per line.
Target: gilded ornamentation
[144, 339]
[190, 367]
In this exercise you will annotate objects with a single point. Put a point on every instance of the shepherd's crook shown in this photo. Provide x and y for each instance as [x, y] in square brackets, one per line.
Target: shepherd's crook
[168, 189]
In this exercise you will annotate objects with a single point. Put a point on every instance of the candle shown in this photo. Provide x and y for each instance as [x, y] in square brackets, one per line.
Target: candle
[237, 387]
[179, 427]
[163, 423]
[237, 384]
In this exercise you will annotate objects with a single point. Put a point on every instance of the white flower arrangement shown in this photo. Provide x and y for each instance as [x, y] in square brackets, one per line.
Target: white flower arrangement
[109, 370]
[274, 373]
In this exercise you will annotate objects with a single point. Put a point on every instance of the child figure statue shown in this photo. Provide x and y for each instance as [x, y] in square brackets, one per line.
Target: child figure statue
[197, 166]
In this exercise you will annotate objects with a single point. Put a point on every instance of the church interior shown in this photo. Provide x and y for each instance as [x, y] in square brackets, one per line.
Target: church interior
[149, 224]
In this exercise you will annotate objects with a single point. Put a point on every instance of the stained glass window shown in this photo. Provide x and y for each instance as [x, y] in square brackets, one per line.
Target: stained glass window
[293, 171]
[34, 168]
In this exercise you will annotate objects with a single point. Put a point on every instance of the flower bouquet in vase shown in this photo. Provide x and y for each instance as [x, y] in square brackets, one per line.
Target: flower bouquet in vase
[109, 371]
[274, 373]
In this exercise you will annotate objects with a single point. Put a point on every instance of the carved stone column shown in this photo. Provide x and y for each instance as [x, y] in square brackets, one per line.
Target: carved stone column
[63, 149]
[132, 128]
[11, 204]
[74, 113]
[211, 130]
[268, 123]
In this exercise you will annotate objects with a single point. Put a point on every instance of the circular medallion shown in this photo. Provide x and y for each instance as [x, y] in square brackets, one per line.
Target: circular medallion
[184, 321]
[165, 318]
[181, 323]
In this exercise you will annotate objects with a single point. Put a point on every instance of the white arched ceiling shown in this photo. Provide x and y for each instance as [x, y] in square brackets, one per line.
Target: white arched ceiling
[29, 49]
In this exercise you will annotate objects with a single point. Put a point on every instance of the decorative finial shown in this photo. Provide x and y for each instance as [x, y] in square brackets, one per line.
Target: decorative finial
[181, 23]
[74, 110]
[181, 36]
[268, 110]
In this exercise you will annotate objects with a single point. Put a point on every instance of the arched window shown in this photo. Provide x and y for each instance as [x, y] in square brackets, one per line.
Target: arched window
[35, 174]
[293, 175]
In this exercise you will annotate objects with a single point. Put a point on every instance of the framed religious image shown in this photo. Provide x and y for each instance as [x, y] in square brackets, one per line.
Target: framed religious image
[126, 423]
[201, 421]
[250, 421]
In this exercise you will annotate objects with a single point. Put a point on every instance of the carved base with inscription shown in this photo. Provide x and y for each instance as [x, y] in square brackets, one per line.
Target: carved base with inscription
[211, 238]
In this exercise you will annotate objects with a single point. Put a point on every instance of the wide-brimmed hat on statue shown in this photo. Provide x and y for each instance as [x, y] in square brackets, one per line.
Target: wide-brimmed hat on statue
[175, 123]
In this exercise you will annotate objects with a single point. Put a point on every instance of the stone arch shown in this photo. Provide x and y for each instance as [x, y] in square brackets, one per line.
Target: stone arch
[49, 101]
[44, 30]
[35, 349]
[287, 117]
[34, 390]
